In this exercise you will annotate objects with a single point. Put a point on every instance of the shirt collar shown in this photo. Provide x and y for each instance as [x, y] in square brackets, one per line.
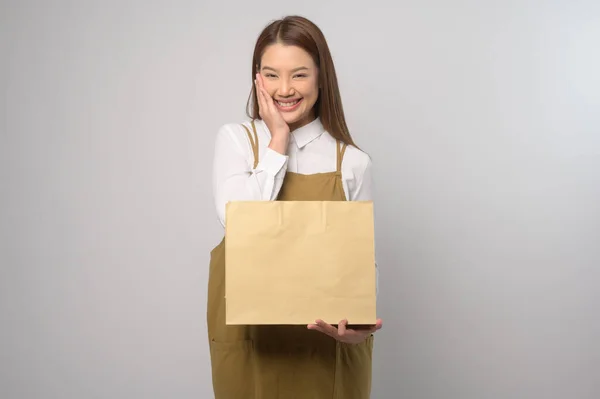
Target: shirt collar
[307, 133]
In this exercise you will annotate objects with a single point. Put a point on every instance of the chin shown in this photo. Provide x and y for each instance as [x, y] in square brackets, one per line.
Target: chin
[291, 119]
[295, 117]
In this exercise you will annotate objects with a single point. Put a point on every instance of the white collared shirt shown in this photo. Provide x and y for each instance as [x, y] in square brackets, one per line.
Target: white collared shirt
[311, 150]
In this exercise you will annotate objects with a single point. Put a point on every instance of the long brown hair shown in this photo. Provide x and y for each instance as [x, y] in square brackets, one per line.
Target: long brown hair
[299, 31]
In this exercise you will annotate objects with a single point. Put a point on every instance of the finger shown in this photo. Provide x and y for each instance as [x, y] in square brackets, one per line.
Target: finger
[259, 79]
[378, 325]
[316, 327]
[257, 86]
[269, 101]
[261, 83]
[260, 97]
[327, 327]
[342, 327]
[364, 331]
[357, 335]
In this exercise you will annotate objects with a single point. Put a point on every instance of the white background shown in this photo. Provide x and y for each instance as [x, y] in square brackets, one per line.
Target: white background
[482, 118]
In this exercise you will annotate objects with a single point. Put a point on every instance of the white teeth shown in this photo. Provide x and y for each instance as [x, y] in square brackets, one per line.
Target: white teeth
[291, 104]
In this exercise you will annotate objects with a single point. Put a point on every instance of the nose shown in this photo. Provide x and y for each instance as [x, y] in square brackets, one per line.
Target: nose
[285, 88]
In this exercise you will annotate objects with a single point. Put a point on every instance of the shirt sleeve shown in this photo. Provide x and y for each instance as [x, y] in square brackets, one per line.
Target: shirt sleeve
[363, 187]
[234, 178]
[364, 192]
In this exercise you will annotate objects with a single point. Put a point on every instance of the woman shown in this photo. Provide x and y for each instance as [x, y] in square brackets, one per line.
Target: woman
[296, 147]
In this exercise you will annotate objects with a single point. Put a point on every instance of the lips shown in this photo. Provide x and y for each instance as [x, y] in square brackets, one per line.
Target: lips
[288, 105]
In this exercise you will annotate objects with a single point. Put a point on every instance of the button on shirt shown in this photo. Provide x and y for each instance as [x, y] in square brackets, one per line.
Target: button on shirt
[311, 150]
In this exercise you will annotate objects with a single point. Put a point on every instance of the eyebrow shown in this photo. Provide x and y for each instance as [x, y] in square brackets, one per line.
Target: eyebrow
[293, 70]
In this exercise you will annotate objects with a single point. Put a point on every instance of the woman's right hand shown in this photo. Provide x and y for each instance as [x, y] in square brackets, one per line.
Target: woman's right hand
[344, 334]
[272, 117]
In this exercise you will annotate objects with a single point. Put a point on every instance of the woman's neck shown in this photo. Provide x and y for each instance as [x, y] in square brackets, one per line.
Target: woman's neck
[302, 122]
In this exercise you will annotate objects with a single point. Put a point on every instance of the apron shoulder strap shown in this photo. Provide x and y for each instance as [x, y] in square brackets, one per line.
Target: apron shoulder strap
[341, 150]
[253, 141]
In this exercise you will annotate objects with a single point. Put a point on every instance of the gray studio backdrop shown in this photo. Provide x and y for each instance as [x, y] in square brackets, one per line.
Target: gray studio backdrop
[483, 121]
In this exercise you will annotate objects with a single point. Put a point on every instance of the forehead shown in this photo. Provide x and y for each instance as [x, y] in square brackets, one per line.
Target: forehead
[284, 57]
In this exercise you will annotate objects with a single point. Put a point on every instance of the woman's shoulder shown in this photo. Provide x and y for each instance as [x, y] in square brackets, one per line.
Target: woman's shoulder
[356, 159]
[234, 135]
[238, 132]
[236, 129]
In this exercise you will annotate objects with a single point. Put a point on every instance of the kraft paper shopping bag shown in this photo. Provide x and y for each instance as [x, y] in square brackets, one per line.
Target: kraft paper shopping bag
[292, 262]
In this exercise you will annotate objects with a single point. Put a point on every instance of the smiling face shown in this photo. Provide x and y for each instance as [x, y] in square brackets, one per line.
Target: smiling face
[291, 78]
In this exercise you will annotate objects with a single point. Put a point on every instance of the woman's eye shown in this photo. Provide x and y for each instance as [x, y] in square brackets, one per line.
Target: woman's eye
[301, 76]
[270, 75]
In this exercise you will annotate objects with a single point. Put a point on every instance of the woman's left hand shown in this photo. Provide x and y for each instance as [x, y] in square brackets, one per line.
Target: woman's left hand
[344, 334]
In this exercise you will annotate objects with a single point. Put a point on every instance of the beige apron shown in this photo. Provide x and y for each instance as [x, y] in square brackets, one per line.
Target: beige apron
[284, 362]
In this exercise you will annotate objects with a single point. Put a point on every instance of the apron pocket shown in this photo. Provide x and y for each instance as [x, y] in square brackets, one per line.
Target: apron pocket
[233, 369]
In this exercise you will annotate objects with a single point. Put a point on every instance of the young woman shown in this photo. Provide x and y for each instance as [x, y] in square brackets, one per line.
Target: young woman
[296, 146]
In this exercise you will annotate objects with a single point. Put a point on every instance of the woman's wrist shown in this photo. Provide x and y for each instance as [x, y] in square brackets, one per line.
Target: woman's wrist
[279, 143]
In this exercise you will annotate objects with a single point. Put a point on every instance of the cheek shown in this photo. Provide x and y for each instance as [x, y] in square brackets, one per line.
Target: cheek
[311, 92]
[270, 88]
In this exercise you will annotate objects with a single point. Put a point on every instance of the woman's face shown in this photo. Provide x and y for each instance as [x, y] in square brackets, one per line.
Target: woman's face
[291, 78]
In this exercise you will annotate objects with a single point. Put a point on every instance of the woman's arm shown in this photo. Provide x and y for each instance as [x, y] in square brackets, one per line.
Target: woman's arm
[362, 189]
[234, 179]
